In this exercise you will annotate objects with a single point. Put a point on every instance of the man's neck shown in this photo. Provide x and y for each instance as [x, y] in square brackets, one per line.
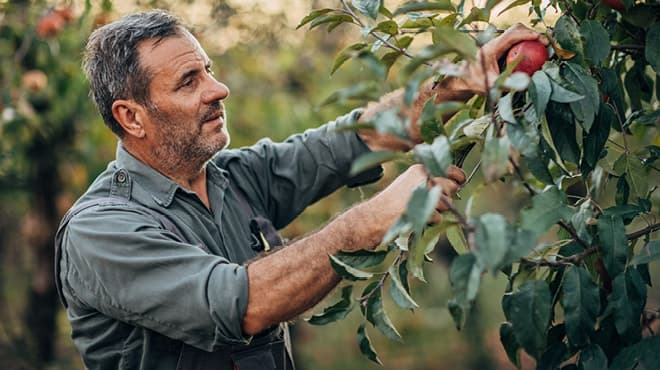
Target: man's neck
[190, 176]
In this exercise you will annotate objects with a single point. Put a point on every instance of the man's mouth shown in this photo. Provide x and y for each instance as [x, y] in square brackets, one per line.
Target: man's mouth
[215, 117]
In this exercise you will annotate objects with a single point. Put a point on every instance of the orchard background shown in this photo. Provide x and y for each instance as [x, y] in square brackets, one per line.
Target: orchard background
[547, 260]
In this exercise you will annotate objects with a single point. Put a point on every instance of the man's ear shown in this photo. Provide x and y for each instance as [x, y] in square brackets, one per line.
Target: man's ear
[130, 116]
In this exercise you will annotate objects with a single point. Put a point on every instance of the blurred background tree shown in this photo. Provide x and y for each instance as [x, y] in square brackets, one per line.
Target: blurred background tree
[53, 144]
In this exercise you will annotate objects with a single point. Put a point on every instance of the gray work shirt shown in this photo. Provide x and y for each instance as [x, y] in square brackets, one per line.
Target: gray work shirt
[125, 277]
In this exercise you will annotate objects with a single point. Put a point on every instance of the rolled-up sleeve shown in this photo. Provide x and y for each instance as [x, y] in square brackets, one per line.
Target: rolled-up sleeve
[284, 178]
[123, 264]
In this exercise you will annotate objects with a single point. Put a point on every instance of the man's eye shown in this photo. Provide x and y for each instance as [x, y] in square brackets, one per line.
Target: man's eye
[187, 83]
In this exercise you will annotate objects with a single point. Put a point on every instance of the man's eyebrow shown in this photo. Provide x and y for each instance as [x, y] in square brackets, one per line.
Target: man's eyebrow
[187, 75]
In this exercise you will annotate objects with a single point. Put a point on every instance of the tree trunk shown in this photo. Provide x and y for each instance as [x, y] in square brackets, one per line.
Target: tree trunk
[40, 312]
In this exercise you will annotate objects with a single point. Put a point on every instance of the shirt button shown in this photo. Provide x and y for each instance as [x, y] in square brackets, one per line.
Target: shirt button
[121, 177]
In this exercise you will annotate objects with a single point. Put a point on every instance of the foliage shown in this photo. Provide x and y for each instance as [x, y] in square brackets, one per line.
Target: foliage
[580, 136]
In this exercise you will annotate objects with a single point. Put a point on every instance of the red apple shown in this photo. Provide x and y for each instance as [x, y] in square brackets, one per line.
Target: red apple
[50, 25]
[534, 55]
[614, 4]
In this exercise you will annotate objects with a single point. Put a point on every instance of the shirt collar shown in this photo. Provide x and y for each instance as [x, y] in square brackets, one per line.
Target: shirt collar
[162, 188]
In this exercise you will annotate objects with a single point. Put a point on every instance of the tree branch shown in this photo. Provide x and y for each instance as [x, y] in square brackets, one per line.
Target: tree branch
[565, 261]
[644, 231]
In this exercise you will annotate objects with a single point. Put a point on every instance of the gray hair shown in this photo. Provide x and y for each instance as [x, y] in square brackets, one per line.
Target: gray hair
[111, 60]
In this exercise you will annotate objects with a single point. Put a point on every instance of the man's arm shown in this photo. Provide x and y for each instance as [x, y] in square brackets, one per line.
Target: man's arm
[478, 77]
[288, 282]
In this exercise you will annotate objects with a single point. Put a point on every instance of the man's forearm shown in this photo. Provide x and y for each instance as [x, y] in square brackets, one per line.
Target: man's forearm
[288, 282]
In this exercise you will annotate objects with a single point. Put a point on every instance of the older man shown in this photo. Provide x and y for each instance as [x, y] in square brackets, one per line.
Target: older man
[157, 260]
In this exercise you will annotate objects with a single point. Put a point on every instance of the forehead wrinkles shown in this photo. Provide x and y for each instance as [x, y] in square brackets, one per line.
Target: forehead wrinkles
[168, 55]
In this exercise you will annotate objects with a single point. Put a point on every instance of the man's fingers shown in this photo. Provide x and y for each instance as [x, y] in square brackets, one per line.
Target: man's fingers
[512, 36]
[456, 174]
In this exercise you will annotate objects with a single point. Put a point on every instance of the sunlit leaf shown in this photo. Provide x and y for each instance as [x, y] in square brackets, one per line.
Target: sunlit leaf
[495, 158]
[420, 248]
[361, 258]
[368, 7]
[366, 348]
[567, 37]
[417, 6]
[389, 27]
[313, 15]
[505, 108]
[336, 311]
[494, 237]
[346, 54]
[518, 81]
[348, 272]
[398, 290]
[456, 40]
[330, 18]
[540, 91]
[436, 157]
[376, 315]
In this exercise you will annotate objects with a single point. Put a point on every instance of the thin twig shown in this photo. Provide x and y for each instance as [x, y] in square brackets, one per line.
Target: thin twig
[644, 231]
[571, 260]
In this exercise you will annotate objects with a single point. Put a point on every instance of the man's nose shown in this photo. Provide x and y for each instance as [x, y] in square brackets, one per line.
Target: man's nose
[216, 91]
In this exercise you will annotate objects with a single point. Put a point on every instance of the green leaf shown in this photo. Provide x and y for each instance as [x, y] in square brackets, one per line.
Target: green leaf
[417, 6]
[331, 18]
[652, 47]
[421, 206]
[612, 91]
[596, 41]
[548, 208]
[420, 248]
[368, 7]
[567, 35]
[346, 54]
[465, 278]
[398, 290]
[376, 315]
[528, 310]
[540, 91]
[644, 353]
[581, 302]
[371, 160]
[389, 27]
[649, 253]
[581, 221]
[494, 237]
[457, 239]
[592, 357]
[594, 141]
[614, 245]
[626, 304]
[635, 172]
[313, 15]
[390, 122]
[510, 343]
[361, 258]
[337, 311]
[581, 80]
[495, 158]
[435, 157]
[455, 40]
[365, 345]
[347, 272]
[560, 94]
[373, 64]
[505, 108]
[561, 124]
[638, 85]
[518, 81]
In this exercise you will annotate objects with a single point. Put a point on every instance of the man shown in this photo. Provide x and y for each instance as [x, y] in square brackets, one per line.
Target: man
[157, 262]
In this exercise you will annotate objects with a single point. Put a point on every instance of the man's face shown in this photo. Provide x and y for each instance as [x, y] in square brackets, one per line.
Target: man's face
[186, 118]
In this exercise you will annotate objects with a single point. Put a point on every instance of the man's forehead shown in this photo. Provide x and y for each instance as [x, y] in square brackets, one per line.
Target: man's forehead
[168, 52]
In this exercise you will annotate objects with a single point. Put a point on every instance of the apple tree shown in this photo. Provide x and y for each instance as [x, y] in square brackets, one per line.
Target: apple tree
[580, 136]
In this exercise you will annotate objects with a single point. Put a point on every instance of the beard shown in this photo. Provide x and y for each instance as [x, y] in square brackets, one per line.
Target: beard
[183, 148]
